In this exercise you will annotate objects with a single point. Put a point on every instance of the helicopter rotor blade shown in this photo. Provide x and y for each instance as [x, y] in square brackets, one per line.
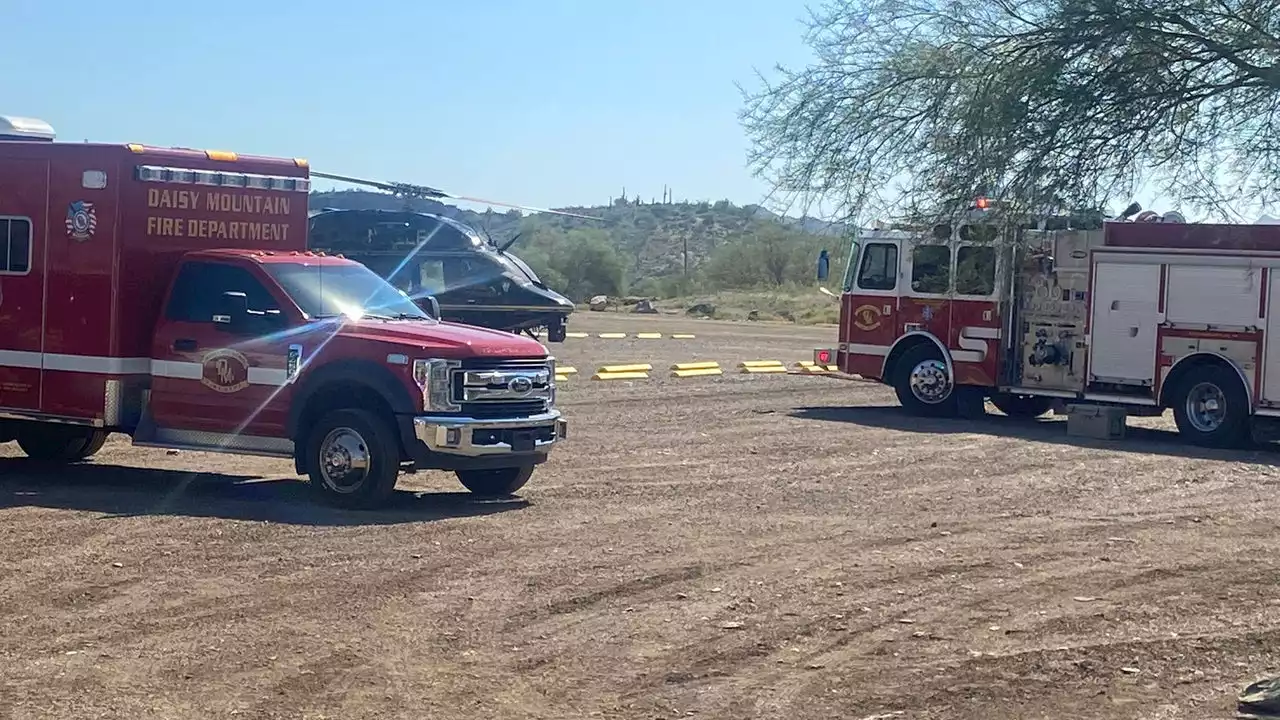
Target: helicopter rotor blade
[430, 193]
[528, 208]
[405, 189]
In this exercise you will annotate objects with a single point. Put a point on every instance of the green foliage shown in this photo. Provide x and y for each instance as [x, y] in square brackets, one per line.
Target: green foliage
[766, 255]
[579, 263]
[1041, 104]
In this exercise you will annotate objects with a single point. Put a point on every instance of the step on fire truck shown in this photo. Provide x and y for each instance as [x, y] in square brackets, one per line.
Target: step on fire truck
[169, 294]
[1142, 315]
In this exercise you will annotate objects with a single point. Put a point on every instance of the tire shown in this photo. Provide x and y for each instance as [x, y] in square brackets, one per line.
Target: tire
[353, 459]
[498, 482]
[922, 384]
[1211, 407]
[1022, 406]
[557, 331]
[61, 443]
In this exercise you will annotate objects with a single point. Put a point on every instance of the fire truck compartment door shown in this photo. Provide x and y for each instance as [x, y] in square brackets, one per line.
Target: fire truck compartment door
[1126, 313]
[1271, 362]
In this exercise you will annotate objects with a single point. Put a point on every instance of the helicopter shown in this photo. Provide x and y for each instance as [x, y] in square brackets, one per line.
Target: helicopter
[474, 281]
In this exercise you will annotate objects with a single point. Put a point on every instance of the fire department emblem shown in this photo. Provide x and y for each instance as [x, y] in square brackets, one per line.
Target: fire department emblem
[927, 313]
[225, 371]
[82, 220]
[866, 317]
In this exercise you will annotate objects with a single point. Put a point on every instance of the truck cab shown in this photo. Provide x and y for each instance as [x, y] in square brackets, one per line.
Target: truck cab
[168, 294]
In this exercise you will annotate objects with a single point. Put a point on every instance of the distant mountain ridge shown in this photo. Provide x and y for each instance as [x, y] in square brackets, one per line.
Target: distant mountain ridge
[651, 237]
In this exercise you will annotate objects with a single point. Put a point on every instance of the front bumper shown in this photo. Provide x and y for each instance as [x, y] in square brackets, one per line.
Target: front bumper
[474, 438]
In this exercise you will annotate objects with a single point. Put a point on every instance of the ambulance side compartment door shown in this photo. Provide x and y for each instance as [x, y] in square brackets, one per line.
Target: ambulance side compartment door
[24, 198]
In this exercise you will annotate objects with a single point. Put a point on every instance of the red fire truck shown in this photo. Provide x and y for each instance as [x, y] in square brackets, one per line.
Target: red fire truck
[1143, 315]
[168, 294]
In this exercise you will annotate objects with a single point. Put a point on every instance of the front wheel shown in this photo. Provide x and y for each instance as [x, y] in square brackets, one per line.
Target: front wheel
[1211, 407]
[497, 482]
[923, 384]
[353, 458]
[1021, 406]
[60, 443]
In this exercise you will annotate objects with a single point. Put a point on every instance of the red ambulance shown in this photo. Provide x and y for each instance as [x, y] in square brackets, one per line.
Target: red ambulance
[168, 294]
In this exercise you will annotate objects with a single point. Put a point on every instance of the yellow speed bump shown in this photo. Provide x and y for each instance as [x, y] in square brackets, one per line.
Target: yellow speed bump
[682, 336]
[563, 373]
[612, 336]
[577, 335]
[696, 369]
[639, 371]
[761, 366]
[649, 336]
[809, 366]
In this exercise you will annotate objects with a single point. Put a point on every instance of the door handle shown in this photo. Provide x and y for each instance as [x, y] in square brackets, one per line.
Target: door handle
[184, 345]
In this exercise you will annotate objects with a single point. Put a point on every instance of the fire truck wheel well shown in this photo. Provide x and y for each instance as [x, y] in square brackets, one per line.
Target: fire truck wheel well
[1189, 364]
[904, 345]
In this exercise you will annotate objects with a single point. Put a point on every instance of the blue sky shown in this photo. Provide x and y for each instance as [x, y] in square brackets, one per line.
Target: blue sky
[546, 102]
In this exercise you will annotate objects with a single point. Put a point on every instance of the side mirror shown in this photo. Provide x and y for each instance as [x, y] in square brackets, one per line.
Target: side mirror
[232, 311]
[824, 265]
[433, 306]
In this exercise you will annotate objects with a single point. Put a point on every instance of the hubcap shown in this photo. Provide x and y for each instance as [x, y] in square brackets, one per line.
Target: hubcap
[1206, 407]
[929, 382]
[344, 460]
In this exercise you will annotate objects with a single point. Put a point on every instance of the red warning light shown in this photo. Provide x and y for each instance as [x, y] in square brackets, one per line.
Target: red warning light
[824, 357]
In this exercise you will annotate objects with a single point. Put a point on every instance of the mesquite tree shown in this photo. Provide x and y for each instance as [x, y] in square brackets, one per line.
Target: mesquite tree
[920, 105]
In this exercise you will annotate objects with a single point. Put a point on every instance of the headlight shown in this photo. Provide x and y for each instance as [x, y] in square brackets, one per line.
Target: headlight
[551, 383]
[434, 379]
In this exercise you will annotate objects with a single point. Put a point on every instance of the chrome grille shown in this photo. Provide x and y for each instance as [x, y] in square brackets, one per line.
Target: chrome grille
[498, 387]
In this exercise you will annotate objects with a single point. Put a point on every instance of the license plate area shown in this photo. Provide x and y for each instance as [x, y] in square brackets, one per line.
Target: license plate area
[523, 440]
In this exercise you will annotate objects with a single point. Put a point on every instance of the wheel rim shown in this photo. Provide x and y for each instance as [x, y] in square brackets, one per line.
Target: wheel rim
[344, 460]
[1206, 407]
[930, 383]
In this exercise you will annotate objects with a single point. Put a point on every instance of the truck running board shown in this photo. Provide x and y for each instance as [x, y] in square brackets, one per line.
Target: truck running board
[148, 435]
[212, 442]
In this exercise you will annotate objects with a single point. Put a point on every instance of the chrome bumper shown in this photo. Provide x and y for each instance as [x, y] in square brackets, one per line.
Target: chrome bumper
[472, 437]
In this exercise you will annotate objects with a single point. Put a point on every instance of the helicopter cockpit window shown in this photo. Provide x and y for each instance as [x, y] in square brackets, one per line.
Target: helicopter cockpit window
[480, 274]
[431, 279]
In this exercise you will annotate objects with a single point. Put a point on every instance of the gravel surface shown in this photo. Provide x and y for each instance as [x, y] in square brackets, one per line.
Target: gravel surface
[733, 547]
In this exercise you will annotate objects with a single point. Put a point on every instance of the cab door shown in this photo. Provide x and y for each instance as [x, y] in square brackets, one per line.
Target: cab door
[870, 307]
[220, 383]
[928, 289]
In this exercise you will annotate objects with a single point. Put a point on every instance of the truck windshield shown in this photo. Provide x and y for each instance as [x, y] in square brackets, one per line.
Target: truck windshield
[353, 290]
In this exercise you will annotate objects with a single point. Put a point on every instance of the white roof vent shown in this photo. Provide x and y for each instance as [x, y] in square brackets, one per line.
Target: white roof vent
[21, 128]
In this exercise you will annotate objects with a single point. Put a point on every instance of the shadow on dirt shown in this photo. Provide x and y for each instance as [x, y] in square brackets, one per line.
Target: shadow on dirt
[131, 491]
[1048, 430]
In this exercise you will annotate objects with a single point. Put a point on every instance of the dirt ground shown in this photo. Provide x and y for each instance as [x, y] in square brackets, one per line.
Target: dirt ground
[736, 547]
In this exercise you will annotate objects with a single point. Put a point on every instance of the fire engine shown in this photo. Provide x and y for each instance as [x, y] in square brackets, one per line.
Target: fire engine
[168, 294]
[1144, 315]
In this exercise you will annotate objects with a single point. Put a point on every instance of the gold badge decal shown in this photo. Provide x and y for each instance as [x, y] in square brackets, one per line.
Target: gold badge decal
[866, 317]
[225, 371]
